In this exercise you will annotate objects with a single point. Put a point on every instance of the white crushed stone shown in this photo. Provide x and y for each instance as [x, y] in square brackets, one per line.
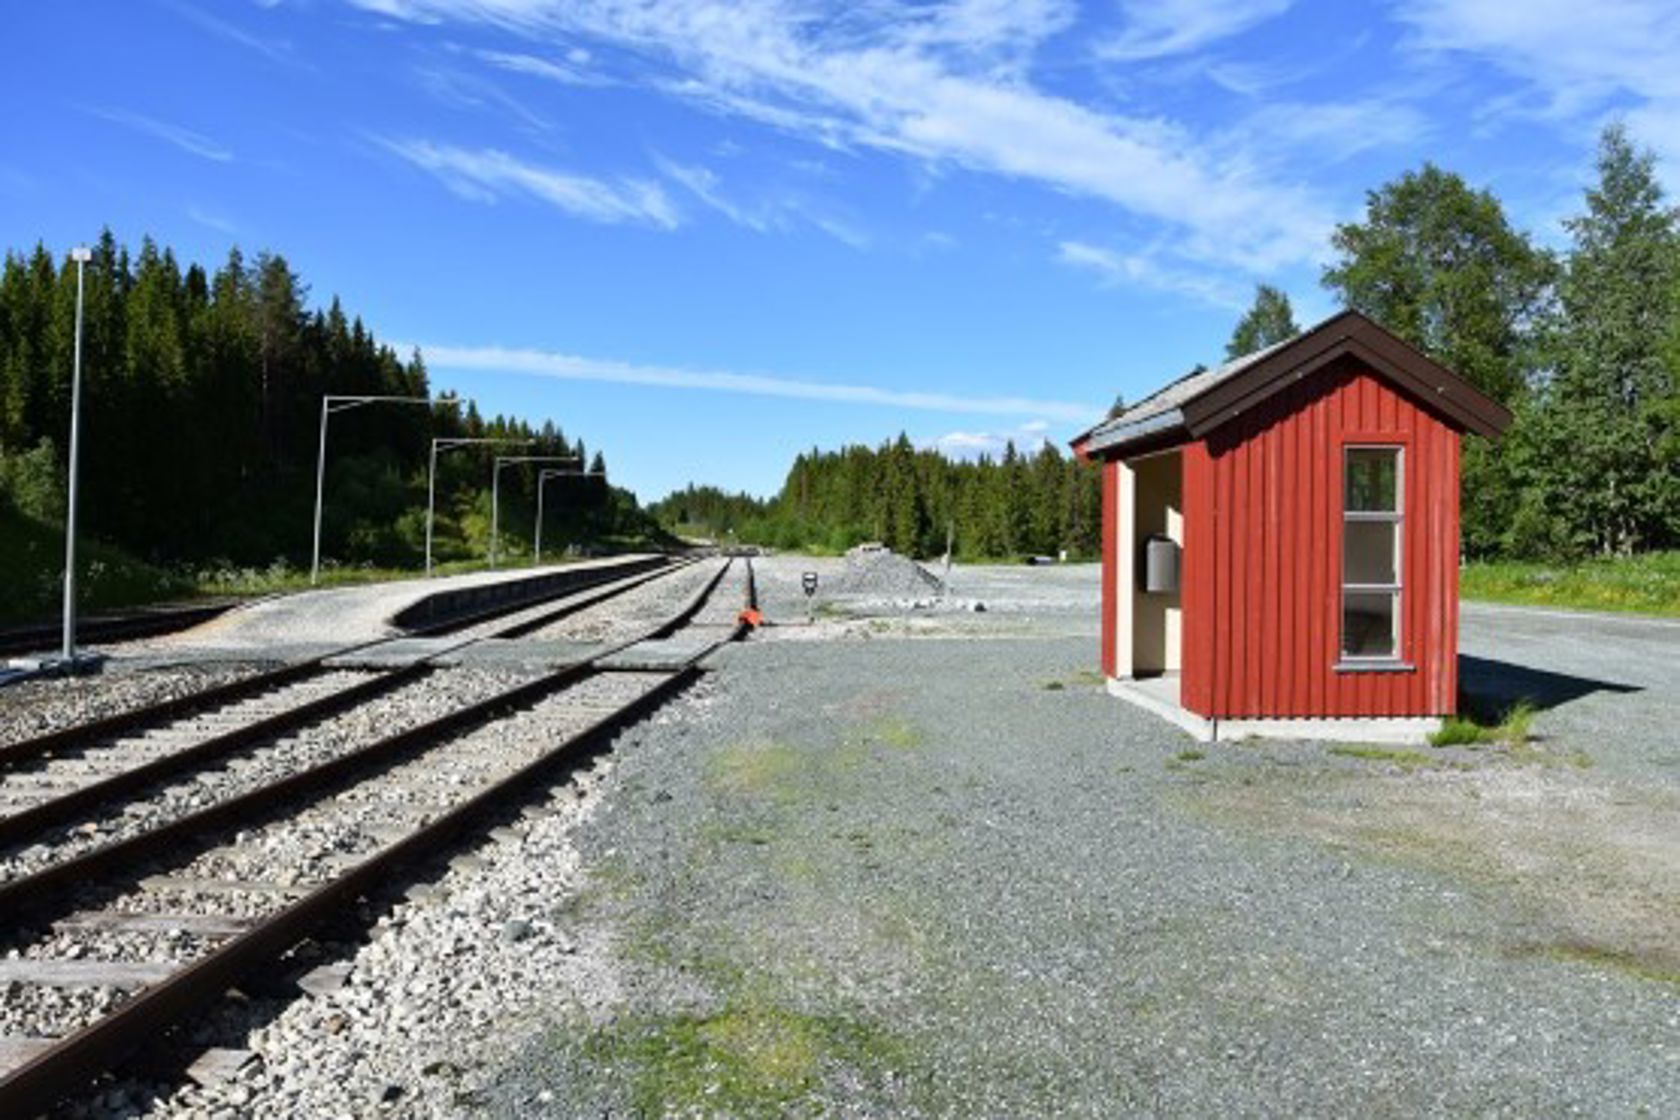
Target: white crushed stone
[450, 983]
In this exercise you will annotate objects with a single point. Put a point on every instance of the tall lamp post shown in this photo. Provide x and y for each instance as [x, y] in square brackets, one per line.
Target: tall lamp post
[496, 490]
[81, 255]
[331, 403]
[542, 481]
[447, 444]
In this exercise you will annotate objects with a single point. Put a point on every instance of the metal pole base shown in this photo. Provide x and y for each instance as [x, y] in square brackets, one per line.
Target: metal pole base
[81, 664]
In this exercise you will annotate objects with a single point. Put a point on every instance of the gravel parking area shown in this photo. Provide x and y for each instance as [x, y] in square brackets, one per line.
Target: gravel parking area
[952, 877]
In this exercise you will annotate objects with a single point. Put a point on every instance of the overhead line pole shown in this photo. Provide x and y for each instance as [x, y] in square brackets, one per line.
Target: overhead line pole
[446, 444]
[81, 255]
[542, 480]
[496, 491]
[331, 403]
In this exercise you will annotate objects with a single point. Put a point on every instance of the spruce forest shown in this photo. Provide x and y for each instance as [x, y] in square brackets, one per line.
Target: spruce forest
[1583, 345]
[201, 406]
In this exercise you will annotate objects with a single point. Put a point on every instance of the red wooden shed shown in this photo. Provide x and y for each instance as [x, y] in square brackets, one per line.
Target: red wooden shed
[1280, 539]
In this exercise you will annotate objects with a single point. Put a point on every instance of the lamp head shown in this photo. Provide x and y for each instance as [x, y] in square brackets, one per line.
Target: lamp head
[81, 254]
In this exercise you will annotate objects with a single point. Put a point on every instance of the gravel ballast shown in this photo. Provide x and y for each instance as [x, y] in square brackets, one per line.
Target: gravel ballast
[40, 707]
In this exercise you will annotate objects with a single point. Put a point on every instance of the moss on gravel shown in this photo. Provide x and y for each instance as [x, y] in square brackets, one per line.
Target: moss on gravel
[753, 1058]
[1407, 760]
[1621, 960]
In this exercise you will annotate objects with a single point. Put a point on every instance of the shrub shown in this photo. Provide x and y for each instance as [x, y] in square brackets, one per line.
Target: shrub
[33, 483]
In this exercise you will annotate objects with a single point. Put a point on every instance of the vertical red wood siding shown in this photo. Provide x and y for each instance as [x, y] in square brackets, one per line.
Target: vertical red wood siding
[1110, 563]
[1196, 637]
[1263, 557]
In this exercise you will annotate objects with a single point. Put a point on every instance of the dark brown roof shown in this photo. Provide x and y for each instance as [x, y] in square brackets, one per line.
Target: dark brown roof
[1195, 405]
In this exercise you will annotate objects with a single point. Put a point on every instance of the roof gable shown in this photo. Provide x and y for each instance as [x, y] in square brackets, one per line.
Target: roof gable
[1193, 406]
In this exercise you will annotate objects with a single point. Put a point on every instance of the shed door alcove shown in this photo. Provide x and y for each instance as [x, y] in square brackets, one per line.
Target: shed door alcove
[1151, 504]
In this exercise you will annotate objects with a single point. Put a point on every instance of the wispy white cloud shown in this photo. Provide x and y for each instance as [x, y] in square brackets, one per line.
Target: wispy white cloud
[569, 367]
[1333, 130]
[779, 214]
[274, 48]
[461, 90]
[486, 174]
[194, 143]
[704, 184]
[212, 220]
[1146, 270]
[1157, 28]
[397, 9]
[1581, 61]
[971, 445]
[568, 73]
[948, 90]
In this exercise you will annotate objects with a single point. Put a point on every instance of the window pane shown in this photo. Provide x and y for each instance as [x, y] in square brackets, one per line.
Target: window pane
[1373, 479]
[1368, 623]
[1369, 552]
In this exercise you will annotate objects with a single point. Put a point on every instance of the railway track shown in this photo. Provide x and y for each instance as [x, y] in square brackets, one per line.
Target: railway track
[78, 788]
[148, 622]
[109, 945]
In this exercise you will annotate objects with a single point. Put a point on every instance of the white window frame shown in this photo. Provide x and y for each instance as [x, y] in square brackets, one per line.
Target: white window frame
[1396, 517]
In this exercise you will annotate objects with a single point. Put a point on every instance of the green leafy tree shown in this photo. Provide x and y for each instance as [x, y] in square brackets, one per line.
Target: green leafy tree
[1269, 321]
[1597, 463]
[1438, 263]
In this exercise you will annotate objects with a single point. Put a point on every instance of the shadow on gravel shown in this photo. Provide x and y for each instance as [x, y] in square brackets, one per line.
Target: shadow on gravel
[1491, 687]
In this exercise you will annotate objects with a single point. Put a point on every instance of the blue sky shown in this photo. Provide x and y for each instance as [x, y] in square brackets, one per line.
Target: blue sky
[705, 235]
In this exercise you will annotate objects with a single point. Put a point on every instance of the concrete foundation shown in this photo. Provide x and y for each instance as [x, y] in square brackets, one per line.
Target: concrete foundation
[1159, 695]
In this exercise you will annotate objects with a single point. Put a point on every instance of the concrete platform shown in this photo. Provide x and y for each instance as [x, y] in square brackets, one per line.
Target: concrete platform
[336, 617]
[1159, 695]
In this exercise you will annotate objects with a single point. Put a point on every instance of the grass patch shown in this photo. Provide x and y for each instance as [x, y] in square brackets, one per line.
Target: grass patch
[1514, 729]
[737, 833]
[1603, 956]
[1529, 755]
[896, 732]
[753, 1060]
[1402, 757]
[1458, 731]
[1191, 755]
[753, 769]
[1088, 678]
[32, 556]
[1645, 584]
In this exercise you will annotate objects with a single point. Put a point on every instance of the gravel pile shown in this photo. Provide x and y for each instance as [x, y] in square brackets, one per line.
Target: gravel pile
[39, 707]
[427, 698]
[882, 573]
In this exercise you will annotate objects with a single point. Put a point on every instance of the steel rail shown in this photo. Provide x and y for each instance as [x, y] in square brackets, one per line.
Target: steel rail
[28, 896]
[69, 807]
[123, 723]
[112, 628]
[99, 1047]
